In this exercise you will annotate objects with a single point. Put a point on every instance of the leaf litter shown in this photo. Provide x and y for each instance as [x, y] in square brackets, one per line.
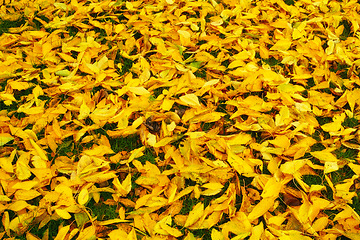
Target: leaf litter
[245, 117]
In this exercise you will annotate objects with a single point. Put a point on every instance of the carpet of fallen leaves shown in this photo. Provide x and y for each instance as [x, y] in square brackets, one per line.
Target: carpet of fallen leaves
[250, 108]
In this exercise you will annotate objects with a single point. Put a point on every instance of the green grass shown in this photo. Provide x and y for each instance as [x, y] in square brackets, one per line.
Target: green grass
[204, 234]
[102, 211]
[128, 143]
[340, 175]
[51, 230]
[347, 29]
[350, 122]
[149, 156]
[6, 24]
[126, 64]
[346, 153]
[312, 179]
[356, 203]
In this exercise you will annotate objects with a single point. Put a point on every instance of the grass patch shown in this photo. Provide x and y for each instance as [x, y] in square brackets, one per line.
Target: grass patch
[272, 62]
[128, 143]
[102, 211]
[204, 234]
[347, 29]
[356, 203]
[340, 175]
[207, 126]
[6, 24]
[149, 156]
[49, 231]
[312, 180]
[346, 153]
[350, 122]
[126, 64]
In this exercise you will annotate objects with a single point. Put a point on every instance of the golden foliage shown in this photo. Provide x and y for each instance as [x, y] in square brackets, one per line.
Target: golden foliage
[250, 108]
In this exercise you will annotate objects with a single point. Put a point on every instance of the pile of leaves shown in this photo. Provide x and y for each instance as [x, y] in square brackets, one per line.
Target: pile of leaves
[176, 119]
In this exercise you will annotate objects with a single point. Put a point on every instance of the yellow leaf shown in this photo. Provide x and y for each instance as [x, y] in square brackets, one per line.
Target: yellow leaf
[171, 231]
[316, 188]
[283, 117]
[163, 142]
[281, 45]
[208, 117]
[151, 139]
[87, 233]
[21, 221]
[5, 138]
[124, 188]
[184, 37]
[261, 208]
[330, 167]
[145, 180]
[63, 73]
[19, 85]
[236, 63]
[4, 198]
[46, 48]
[354, 167]
[144, 76]
[37, 162]
[216, 21]
[239, 164]
[257, 231]
[26, 185]
[99, 151]
[195, 214]
[158, 229]
[332, 127]
[84, 111]
[163, 227]
[139, 90]
[18, 205]
[26, 194]
[83, 197]
[100, 177]
[213, 185]
[292, 167]
[62, 233]
[352, 236]
[22, 170]
[189, 236]
[272, 188]
[281, 141]
[66, 57]
[190, 99]
[216, 235]
[6, 222]
[6, 164]
[118, 234]
[132, 235]
[136, 153]
[40, 152]
[320, 223]
[167, 104]
[63, 213]
[38, 34]
[8, 99]
[238, 139]
[324, 156]
[112, 221]
[30, 236]
[280, 23]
